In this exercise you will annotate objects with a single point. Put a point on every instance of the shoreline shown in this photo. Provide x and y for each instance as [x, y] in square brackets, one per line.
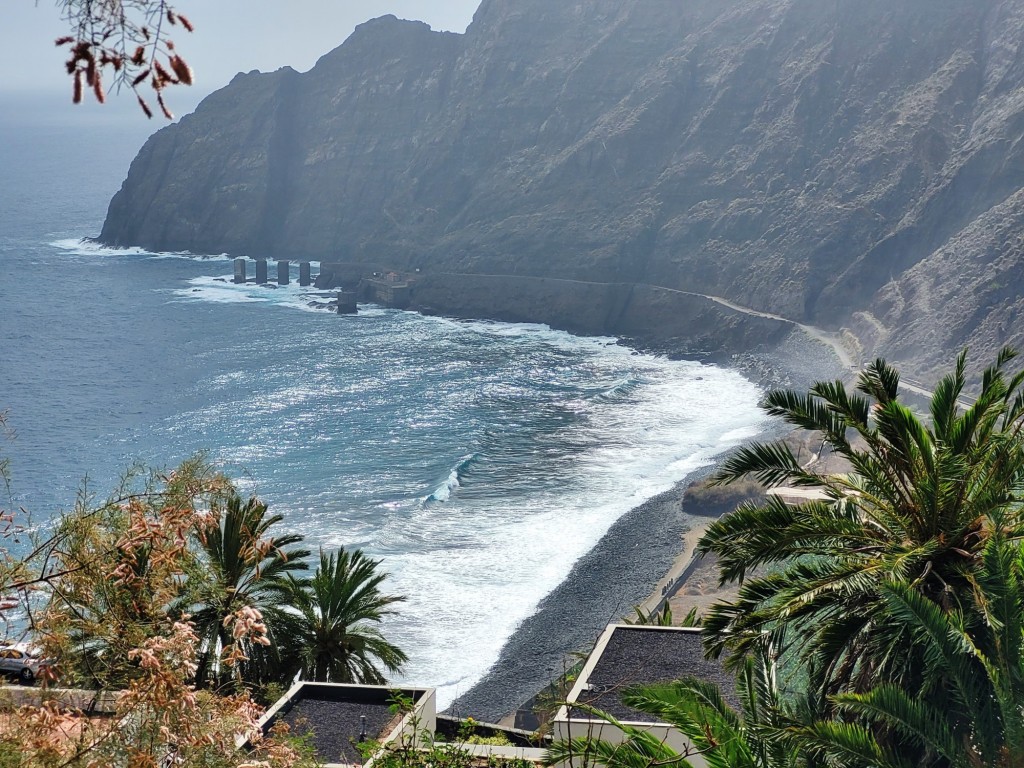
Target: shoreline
[648, 550]
[602, 587]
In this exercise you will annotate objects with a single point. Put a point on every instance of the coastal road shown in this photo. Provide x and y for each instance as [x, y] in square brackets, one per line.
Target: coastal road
[832, 340]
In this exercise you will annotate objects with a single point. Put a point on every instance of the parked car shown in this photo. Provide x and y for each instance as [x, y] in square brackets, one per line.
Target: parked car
[22, 662]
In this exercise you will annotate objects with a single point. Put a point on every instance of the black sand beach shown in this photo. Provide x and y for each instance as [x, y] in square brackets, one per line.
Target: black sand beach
[633, 556]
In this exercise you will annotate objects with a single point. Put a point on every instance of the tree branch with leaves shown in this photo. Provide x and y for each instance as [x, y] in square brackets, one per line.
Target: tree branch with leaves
[117, 44]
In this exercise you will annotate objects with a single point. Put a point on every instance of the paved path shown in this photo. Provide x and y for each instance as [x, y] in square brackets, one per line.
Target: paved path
[789, 493]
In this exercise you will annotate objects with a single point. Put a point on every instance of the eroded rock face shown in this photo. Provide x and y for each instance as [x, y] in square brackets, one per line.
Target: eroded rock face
[841, 162]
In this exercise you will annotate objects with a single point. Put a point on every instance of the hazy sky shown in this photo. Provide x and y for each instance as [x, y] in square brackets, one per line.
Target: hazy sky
[231, 36]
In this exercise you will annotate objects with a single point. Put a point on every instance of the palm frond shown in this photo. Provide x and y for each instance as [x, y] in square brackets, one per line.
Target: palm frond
[943, 644]
[943, 405]
[771, 463]
[880, 381]
[846, 745]
[917, 720]
[808, 412]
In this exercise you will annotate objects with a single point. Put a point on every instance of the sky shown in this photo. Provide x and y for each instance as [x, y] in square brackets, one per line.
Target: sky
[231, 36]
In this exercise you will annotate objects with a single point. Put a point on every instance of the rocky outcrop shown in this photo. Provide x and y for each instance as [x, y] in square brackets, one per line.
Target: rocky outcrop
[846, 163]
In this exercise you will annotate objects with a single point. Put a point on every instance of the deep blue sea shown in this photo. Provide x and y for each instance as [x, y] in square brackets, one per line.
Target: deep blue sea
[479, 460]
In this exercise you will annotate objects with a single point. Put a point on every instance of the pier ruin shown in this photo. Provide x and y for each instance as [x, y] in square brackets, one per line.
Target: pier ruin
[241, 275]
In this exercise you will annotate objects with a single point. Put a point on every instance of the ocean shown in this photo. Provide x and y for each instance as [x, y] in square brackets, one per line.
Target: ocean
[479, 461]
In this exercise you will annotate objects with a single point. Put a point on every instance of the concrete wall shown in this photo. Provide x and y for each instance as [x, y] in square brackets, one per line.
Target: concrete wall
[655, 316]
[422, 719]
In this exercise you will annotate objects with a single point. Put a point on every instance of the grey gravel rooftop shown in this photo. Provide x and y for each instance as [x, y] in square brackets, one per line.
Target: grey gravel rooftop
[333, 719]
[636, 656]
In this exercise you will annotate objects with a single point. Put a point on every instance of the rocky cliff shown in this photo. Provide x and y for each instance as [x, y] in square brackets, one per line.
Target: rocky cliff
[846, 163]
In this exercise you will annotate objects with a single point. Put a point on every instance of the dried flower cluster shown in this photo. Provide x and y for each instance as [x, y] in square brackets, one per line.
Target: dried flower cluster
[124, 43]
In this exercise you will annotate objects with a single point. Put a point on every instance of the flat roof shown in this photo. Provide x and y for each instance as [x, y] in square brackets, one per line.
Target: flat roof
[639, 655]
[332, 715]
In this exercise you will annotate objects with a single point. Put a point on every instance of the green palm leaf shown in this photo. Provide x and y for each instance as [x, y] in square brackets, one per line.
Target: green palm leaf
[917, 507]
[329, 633]
[241, 564]
[718, 736]
[847, 745]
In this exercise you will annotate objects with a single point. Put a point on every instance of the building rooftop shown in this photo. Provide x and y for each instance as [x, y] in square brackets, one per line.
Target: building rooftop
[627, 656]
[338, 717]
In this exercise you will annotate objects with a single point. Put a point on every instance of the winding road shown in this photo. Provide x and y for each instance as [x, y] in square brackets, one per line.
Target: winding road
[831, 339]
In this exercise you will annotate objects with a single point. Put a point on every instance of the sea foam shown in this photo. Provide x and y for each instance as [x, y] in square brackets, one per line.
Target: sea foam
[87, 247]
[479, 460]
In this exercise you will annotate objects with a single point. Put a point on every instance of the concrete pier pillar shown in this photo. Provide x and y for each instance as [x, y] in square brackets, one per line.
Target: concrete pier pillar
[261, 271]
[239, 271]
[283, 272]
[304, 275]
[346, 303]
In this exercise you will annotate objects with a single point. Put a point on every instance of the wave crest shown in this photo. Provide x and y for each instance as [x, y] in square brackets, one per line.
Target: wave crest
[86, 246]
[454, 480]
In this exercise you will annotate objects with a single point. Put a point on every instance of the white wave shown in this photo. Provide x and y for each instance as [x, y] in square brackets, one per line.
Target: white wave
[444, 491]
[454, 480]
[86, 247]
[537, 333]
[221, 290]
[374, 310]
[474, 572]
[192, 256]
[738, 435]
[217, 294]
[475, 566]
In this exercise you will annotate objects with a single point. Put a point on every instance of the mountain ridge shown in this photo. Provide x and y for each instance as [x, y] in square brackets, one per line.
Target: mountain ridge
[848, 164]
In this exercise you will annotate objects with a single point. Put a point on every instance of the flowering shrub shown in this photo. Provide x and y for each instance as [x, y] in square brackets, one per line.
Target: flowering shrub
[100, 593]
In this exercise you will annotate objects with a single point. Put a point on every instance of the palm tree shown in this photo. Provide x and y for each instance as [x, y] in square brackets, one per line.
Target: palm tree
[917, 509]
[976, 651]
[241, 565]
[759, 736]
[327, 635]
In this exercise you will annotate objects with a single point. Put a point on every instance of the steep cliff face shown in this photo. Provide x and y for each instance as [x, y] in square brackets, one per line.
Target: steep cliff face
[841, 162]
